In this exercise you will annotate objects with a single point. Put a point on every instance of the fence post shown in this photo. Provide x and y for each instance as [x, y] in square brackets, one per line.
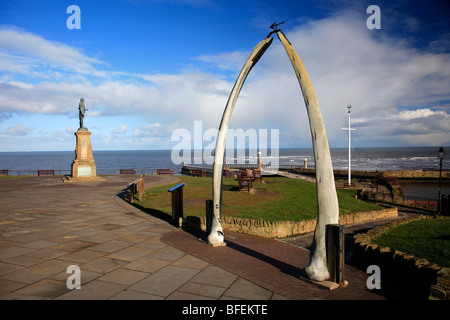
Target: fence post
[209, 215]
[334, 236]
[141, 188]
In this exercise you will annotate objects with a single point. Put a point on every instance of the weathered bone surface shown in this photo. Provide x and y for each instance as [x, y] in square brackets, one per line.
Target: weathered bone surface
[328, 208]
[216, 235]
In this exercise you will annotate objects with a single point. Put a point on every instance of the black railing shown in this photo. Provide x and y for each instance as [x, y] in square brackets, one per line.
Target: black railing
[402, 200]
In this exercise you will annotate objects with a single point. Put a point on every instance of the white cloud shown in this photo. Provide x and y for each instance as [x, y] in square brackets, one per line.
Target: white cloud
[24, 51]
[226, 60]
[121, 130]
[19, 130]
[347, 64]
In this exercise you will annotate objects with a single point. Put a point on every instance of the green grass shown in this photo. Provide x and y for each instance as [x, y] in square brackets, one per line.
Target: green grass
[426, 239]
[277, 199]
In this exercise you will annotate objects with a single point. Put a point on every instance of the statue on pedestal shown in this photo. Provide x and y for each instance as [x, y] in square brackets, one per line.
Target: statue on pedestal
[83, 166]
[82, 110]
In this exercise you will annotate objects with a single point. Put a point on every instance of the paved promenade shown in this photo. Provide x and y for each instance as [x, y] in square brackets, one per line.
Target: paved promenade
[123, 253]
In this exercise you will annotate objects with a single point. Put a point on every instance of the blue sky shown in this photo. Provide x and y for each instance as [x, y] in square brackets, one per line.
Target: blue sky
[149, 67]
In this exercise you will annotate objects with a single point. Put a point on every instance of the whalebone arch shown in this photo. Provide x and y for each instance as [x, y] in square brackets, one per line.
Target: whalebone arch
[328, 209]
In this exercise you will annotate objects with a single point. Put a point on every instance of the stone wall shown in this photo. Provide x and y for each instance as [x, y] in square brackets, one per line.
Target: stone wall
[283, 229]
[400, 174]
[367, 253]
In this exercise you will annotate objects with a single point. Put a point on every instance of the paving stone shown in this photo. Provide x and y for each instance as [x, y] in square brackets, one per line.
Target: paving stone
[25, 276]
[7, 286]
[177, 295]
[24, 261]
[165, 281]
[102, 265]
[134, 237]
[202, 290]
[45, 289]
[243, 289]
[15, 251]
[190, 261]
[50, 266]
[73, 246]
[130, 253]
[215, 276]
[124, 276]
[167, 253]
[47, 254]
[133, 295]
[39, 244]
[146, 264]
[6, 268]
[94, 290]
[111, 246]
[82, 256]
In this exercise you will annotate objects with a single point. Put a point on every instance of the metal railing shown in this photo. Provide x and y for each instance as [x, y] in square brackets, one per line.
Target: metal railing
[402, 200]
[65, 172]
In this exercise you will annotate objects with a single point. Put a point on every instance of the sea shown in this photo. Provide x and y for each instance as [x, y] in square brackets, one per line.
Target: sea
[147, 161]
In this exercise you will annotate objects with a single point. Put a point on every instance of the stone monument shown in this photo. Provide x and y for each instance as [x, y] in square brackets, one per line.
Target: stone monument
[83, 166]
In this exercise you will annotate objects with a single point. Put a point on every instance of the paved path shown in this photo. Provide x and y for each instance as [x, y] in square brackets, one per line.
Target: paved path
[123, 253]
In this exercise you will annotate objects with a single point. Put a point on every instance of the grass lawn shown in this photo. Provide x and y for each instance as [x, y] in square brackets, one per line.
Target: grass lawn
[277, 199]
[426, 239]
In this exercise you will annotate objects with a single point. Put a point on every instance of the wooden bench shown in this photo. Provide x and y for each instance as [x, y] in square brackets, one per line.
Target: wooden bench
[198, 173]
[164, 171]
[127, 171]
[244, 182]
[46, 172]
[3, 172]
[257, 175]
[135, 187]
[229, 173]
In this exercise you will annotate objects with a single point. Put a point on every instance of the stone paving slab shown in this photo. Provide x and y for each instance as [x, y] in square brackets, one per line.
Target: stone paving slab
[124, 253]
[47, 225]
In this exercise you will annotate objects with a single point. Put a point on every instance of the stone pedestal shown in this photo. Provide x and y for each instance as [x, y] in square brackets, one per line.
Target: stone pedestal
[83, 166]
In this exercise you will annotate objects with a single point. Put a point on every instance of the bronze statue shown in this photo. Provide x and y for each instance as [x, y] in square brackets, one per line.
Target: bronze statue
[82, 110]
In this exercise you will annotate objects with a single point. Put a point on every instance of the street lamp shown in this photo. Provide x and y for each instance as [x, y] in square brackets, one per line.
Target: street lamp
[349, 148]
[349, 107]
[441, 156]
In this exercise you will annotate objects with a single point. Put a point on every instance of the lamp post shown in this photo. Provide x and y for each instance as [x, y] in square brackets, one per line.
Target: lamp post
[349, 147]
[441, 156]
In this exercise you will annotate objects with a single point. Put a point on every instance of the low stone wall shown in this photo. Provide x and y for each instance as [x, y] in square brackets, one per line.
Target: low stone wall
[283, 229]
[400, 174]
[367, 253]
